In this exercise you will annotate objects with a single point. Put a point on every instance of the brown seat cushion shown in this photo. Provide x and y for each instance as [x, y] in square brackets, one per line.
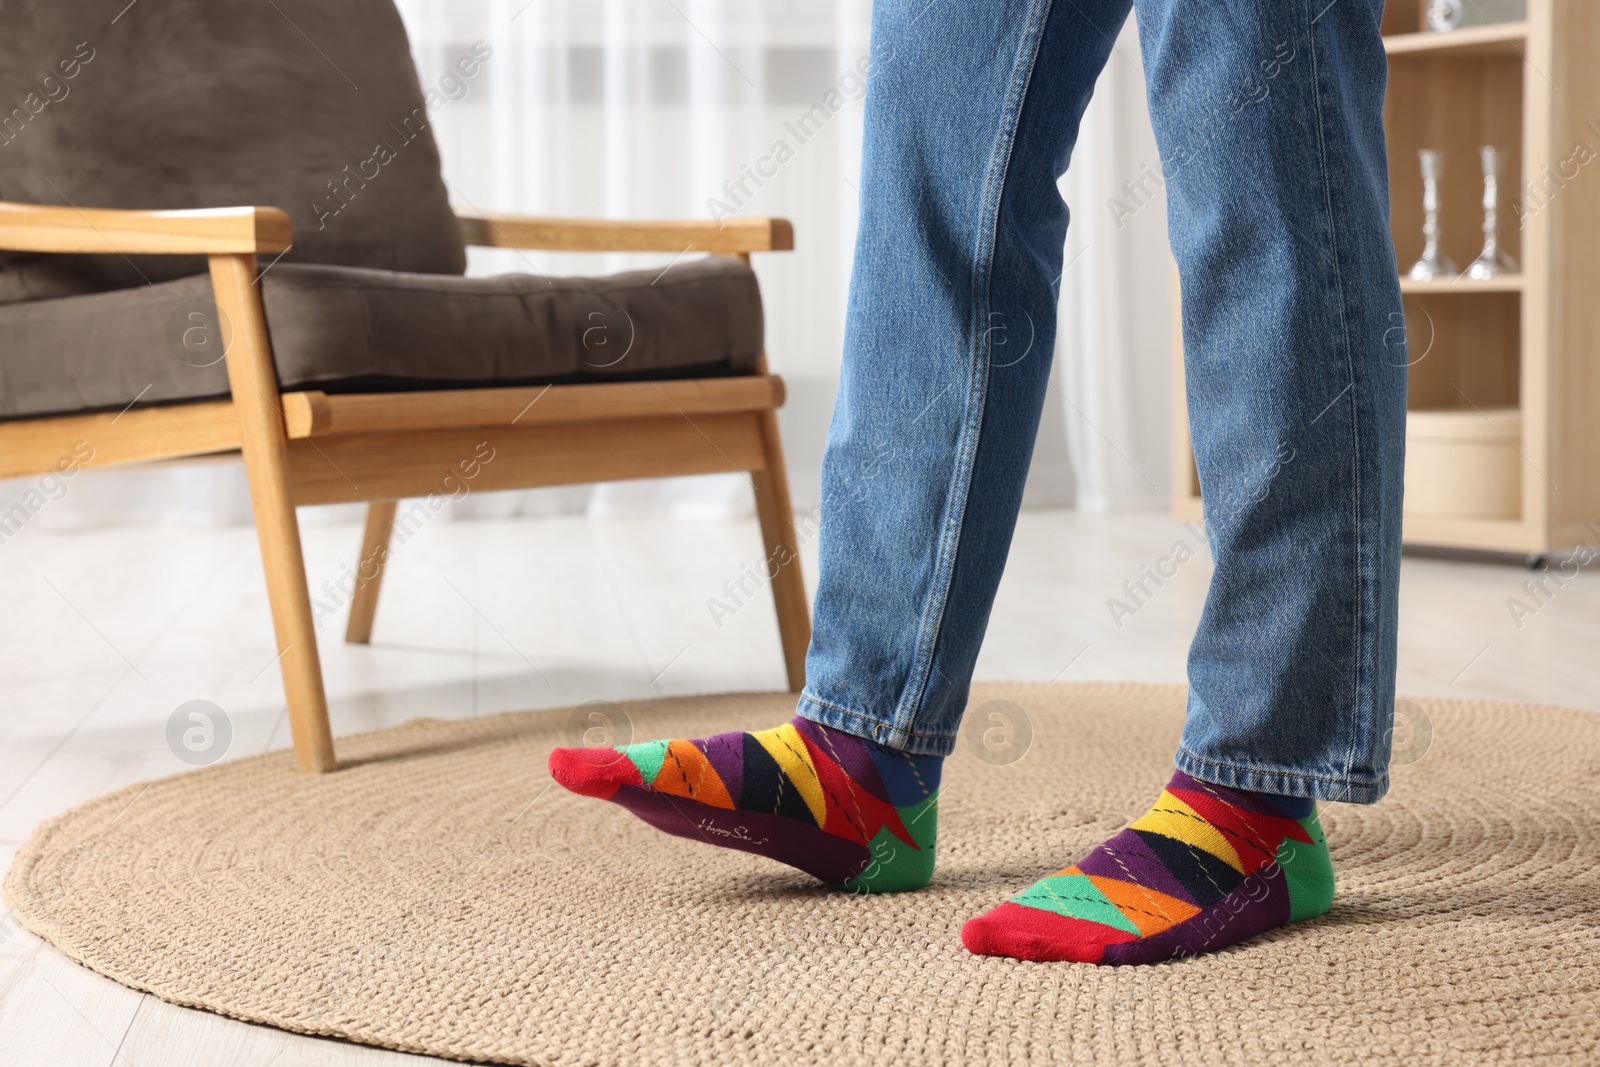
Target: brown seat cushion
[343, 329]
[214, 103]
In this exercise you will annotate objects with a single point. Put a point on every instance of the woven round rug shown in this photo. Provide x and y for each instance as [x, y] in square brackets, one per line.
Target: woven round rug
[440, 895]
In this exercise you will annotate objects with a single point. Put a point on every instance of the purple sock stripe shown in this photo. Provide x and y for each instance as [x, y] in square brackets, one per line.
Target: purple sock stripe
[725, 753]
[825, 856]
[848, 751]
[1260, 903]
[1128, 859]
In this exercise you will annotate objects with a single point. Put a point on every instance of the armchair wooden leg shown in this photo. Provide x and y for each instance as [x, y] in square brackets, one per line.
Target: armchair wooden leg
[253, 382]
[783, 552]
[369, 570]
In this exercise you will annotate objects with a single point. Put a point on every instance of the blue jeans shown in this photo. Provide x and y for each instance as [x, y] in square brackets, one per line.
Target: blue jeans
[1268, 115]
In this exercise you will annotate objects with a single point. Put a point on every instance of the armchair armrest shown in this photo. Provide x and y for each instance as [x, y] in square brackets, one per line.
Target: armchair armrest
[42, 228]
[753, 234]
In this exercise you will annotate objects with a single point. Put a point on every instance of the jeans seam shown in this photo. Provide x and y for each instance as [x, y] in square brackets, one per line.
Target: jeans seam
[1344, 780]
[1363, 583]
[953, 520]
[863, 717]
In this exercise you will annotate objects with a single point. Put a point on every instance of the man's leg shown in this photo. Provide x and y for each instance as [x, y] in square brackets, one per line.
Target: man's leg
[972, 110]
[1271, 127]
[1269, 118]
[948, 345]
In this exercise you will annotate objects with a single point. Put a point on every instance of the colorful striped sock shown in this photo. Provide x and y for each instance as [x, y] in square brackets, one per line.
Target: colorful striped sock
[846, 810]
[1206, 867]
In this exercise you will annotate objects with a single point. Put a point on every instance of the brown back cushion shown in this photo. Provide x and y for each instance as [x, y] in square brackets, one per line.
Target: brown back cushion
[312, 106]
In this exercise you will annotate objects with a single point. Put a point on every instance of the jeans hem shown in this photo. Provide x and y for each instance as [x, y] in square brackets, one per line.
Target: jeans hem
[1285, 783]
[874, 728]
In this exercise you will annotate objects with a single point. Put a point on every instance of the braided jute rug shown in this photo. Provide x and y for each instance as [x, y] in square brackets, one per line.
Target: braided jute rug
[439, 894]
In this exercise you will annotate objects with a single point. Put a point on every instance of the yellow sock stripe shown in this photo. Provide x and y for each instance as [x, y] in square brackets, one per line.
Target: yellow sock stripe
[785, 745]
[1173, 818]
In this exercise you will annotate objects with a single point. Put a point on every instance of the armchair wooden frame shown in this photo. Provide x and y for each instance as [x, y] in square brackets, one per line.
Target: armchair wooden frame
[308, 447]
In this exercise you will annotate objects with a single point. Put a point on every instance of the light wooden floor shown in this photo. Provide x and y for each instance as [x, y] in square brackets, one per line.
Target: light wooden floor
[105, 633]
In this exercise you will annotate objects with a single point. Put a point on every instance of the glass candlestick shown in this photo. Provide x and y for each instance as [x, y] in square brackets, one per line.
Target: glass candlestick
[1444, 15]
[1433, 264]
[1492, 261]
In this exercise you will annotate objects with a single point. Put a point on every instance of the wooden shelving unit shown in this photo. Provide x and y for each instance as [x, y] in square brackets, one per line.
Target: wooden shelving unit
[1503, 439]
[1505, 39]
[1506, 283]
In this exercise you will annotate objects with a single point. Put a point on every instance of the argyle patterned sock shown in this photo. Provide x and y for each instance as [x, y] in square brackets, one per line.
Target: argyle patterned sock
[845, 810]
[1206, 867]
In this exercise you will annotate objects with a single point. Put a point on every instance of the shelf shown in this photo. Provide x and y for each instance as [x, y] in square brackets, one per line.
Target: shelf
[1500, 39]
[1506, 283]
[1465, 423]
[1484, 535]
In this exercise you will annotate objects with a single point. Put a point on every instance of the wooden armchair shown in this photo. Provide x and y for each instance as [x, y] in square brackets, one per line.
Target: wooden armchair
[308, 446]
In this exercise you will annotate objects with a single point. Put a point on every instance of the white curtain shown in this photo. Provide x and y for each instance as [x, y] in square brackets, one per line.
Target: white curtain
[1118, 299]
[664, 108]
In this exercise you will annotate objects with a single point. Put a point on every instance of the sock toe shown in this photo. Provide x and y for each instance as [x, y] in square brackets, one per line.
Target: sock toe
[593, 772]
[1025, 933]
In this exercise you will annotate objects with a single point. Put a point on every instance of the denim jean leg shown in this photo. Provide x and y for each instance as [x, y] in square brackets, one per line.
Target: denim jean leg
[1268, 114]
[971, 113]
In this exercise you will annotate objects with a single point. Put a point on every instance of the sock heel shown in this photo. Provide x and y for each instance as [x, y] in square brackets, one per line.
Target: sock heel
[1308, 871]
[894, 868]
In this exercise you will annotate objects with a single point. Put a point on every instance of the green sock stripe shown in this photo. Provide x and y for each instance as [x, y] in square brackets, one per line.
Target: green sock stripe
[1308, 872]
[1074, 896]
[648, 757]
[895, 867]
